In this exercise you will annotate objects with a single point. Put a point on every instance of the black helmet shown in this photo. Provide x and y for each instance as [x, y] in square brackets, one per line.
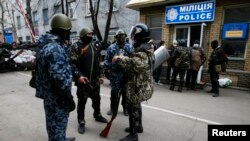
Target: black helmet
[120, 32]
[182, 42]
[140, 32]
[61, 21]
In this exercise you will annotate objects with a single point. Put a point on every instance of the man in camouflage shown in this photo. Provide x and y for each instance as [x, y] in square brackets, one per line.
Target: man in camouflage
[181, 61]
[53, 78]
[139, 69]
[84, 60]
[117, 77]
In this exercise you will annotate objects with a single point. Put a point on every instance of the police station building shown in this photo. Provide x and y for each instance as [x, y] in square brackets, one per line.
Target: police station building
[224, 20]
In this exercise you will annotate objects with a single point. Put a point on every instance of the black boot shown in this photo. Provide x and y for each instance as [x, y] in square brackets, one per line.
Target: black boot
[81, 129]
[130, 137]
[171, 87]
[100, 118]
[180, 89]
[125, 111]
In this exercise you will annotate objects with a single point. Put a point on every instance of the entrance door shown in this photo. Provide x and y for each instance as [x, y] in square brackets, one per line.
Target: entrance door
[190, 33]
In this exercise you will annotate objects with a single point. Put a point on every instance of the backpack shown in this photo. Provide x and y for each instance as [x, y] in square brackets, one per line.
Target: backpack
[182, 57]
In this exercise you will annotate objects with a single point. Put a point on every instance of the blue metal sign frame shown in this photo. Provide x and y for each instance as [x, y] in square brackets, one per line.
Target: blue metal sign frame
[190, 13]
[234, 31]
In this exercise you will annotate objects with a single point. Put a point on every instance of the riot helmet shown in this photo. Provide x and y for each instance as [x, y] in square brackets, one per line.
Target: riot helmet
[61, 21]
[140, 33]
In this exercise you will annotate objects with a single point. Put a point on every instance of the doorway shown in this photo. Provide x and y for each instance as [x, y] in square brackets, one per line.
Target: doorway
[189, 33]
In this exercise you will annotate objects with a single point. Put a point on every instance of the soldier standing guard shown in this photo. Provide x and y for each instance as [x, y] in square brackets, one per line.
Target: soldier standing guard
[139, 69]
[53, 78]
[84, 60]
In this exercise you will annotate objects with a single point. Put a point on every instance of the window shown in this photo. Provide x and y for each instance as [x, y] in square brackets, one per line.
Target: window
[18, 18]
[88, 13]
[236, 47]
[72, 10]
[27, 38]
[35, 18]
[116, 5]
[154, 23]
[45, 16]
[57, 9]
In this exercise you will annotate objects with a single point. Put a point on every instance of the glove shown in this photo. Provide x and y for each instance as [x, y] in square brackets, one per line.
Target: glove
[65, 100]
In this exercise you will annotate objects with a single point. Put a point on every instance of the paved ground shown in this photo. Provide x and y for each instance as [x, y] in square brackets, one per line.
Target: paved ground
[169, 115]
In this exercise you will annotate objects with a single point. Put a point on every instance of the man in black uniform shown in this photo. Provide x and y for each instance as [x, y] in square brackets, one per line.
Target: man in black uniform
[86, 72]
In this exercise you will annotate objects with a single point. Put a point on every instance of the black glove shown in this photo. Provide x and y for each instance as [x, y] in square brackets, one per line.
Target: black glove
[65, 99]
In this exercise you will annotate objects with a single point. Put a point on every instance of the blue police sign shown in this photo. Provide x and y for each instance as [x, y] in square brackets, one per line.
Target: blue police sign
[190, 13]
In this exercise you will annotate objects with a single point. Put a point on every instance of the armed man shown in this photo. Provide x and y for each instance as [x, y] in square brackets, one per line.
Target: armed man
[117, 77]
[84, 60]
[54, 78]
[180, 62]
[139, 69]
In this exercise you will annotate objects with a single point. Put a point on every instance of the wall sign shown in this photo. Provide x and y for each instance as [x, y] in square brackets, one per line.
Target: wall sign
[235, 31]
[190, 13]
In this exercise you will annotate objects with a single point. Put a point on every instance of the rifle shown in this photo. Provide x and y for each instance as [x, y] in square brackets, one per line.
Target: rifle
[13, 57]
[105, 131]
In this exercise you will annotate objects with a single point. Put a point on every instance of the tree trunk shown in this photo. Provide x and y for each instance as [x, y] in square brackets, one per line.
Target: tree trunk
[67, 8]
[28, 15]
[108, 21]
[2, 20]
[62, 4]
[94, 15]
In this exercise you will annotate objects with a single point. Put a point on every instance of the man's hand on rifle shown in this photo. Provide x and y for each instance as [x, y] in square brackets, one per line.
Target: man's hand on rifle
[83, 80]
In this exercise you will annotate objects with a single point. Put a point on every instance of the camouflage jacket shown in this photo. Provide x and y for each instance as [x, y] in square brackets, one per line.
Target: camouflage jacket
[139, 69]
[181, 57]
[84, 63]
[53, 70]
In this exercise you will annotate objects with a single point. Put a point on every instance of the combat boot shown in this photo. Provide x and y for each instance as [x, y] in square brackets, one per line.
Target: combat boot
[171, 87]
[180, 89]
[139, 129]
[130, 137]
[81, 129]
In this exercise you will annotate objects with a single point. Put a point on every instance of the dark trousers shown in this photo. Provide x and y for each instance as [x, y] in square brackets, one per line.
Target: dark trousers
[56, 120]
[181, 73]
[135, 117]
[83, 93]
[214, 77]
[191, 77]
[157, 73]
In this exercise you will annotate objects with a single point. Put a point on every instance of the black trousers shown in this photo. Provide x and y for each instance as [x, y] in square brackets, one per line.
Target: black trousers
[214, 77]
[169, 68]
[83, 93]
[191, 77]
[181, 73]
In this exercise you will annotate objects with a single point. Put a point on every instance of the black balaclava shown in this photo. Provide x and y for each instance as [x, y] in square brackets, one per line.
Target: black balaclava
[61, 33]
[86, 40]
[214, 44]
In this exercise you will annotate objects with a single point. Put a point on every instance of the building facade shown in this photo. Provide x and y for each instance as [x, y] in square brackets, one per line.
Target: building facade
[205, 21]
[43, 11]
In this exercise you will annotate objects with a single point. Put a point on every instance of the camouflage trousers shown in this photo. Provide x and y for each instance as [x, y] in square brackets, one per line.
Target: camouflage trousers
[56, 120]
[135, 117]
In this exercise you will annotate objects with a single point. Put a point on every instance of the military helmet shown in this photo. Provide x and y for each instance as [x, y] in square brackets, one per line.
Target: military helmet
[120, 32]
[140, 32]
[182, 42]
[85, 31]
[61, 21]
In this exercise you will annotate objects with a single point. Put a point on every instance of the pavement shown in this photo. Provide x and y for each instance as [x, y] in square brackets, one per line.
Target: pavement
[168, 115]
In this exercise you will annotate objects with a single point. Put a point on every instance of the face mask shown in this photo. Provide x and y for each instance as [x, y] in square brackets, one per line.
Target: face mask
[86, 40]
